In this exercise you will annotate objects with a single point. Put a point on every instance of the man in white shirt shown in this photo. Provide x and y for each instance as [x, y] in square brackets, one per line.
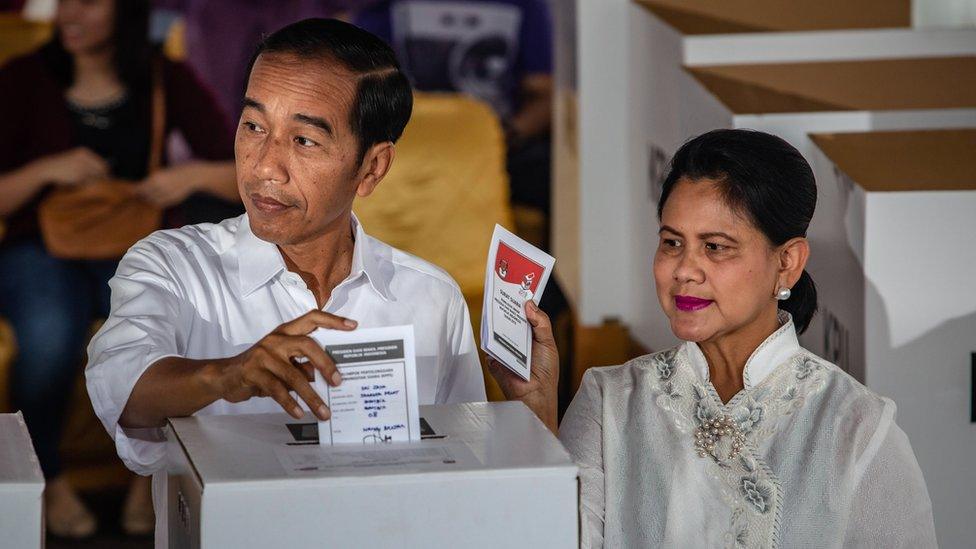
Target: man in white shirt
[215, 319]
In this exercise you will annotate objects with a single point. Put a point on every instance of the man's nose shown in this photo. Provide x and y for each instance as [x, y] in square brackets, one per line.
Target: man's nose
[270, 163]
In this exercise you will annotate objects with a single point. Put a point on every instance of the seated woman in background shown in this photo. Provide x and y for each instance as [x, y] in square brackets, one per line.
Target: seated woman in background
[77, 110]
[738, 437]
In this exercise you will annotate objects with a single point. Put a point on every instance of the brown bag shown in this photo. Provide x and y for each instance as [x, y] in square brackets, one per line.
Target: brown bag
[103, 219]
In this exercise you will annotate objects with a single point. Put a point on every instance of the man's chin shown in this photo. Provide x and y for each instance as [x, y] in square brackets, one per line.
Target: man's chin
[268, 230]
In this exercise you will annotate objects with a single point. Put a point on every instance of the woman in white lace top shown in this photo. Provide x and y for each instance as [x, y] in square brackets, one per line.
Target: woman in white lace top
[738, 437]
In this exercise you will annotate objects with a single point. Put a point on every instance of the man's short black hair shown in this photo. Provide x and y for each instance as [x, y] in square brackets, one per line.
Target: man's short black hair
[383, 100]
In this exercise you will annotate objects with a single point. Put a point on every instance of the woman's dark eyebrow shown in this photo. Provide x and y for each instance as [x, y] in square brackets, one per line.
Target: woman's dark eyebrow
[706, 236]
[668, 229]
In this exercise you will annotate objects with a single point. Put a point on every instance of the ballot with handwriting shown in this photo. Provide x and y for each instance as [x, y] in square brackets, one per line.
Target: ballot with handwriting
[377, 399]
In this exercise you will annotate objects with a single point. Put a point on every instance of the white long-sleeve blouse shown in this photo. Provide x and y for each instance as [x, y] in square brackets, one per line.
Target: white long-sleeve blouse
[821, 462]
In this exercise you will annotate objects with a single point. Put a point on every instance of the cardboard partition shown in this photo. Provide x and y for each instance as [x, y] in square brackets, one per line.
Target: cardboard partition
[725, 16]
[872, 85]
[930, 160]
[906, 265]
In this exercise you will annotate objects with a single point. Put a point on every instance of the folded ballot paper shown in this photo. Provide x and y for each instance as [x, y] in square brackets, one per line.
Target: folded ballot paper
[517, 272]
[377, 399]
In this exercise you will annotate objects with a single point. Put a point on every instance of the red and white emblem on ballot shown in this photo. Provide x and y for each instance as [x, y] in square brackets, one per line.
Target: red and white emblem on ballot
[517, 272]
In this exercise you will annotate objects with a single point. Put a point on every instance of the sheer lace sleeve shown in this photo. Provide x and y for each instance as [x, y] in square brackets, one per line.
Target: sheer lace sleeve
[891, 506]
[582, 433]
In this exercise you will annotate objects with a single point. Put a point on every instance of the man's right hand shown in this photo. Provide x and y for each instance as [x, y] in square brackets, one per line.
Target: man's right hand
[276, 365]
[539, 394]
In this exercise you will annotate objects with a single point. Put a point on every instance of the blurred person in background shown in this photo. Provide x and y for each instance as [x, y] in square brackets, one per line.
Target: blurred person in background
[75, 111]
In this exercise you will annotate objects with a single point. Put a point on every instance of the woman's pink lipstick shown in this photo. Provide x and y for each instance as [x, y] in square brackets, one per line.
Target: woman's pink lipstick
[688, 303]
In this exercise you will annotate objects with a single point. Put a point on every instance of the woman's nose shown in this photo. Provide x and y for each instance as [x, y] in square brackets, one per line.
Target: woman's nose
[688, 268]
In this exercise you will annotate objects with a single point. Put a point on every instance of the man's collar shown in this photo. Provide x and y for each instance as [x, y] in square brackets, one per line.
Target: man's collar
[260, 261]
[367, 260]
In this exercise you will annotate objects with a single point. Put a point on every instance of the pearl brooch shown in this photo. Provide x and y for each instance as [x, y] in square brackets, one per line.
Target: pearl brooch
[711, 431]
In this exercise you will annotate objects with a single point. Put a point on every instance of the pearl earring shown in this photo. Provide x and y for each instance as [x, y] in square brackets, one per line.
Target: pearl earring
[783, 294]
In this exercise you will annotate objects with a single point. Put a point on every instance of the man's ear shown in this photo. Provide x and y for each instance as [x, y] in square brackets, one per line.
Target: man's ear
[376, 163]
[793, 257]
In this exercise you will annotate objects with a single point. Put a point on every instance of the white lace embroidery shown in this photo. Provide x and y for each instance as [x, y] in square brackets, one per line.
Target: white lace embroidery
[747, 485]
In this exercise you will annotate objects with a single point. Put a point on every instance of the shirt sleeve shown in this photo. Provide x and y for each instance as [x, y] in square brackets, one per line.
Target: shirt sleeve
[582, 433]
[143, 327]
[891, 506]
[461, 378]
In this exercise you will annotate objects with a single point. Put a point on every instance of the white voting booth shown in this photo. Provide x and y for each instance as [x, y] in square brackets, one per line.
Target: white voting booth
[909, 215]
[21, 486]
[486, 475]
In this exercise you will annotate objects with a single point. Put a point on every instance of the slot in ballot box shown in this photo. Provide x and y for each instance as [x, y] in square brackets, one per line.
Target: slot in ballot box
[21, 486]
[486, 475]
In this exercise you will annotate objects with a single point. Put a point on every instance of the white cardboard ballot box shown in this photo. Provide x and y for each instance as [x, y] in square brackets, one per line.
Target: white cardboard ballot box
[497, 478]
[21, 486]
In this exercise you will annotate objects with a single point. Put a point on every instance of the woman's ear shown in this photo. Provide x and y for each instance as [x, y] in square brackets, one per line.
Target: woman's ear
[793, 256]
[376, 164]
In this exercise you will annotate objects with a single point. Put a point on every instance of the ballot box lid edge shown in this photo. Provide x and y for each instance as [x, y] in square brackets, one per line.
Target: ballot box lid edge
[215, 485]
[229, 464]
